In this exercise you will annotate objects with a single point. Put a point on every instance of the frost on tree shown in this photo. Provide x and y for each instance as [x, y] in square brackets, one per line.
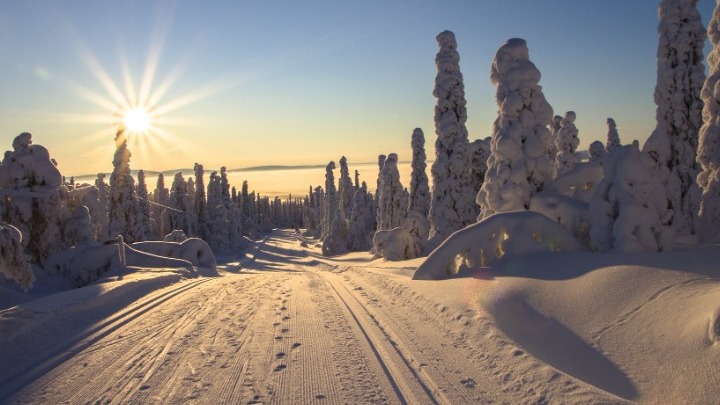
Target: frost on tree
[519, 165]
[452, 206]
[392, 204]
[680, 77]
[628, 207]
[596, 152]
[123, 200]
[613, 137]
[708, 155]
[419, 201]
[346, 191]
[566, 143]
[330, 205]
[33, 204]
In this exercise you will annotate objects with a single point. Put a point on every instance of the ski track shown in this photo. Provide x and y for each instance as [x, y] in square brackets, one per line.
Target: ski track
[289, 328]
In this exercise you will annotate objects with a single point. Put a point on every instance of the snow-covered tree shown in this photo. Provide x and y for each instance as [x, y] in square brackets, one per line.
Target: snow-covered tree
[554, 129]
[161, 198]
[361, 224]
[627, 208]
[597, 152]
[35, 208]
[418, 209]
[452, 205]
[680, 77]
[336, 241]
[175, 217]
[143, 209]
[330, 205]
[392, 204]
[708, 155]
[479, 151]
[346, 191]
[200, 203]
[613, 137]
[566, 143]
[123, 200]
[518, 166]
[100, 217]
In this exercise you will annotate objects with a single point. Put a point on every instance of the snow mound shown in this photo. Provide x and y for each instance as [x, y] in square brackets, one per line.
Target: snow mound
[395, 244]
[511, 233]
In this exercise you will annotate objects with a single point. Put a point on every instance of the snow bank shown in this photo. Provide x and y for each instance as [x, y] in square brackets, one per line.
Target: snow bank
[194, 250]
[511, 233]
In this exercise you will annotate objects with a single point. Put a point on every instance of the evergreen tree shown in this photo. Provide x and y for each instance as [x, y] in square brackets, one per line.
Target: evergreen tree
[452, 204]
[519, 165]
[123, 200]
[613, 137]
[708, 155]
[419, 201]
[680, 77]
[392, 204]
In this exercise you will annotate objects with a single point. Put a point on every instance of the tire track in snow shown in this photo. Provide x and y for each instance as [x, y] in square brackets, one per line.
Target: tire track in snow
[407, 384]
[71, 348]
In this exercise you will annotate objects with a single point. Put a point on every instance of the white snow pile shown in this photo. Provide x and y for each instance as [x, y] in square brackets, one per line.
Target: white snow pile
[512, 233]
[395, 244]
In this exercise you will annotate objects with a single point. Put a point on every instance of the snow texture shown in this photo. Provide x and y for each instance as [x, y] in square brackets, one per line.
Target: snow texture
[452, 205]
[628, 208]
[504, 234]
[680, 77]
[519, 165]
[566, 143]
[708, 156]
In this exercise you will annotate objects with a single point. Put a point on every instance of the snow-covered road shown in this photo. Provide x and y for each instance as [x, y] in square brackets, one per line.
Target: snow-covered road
[291, 328]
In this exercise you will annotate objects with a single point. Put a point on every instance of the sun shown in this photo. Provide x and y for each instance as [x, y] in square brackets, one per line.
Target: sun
[136, 120]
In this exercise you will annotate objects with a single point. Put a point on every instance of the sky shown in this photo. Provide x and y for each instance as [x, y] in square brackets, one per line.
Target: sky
[246, 83]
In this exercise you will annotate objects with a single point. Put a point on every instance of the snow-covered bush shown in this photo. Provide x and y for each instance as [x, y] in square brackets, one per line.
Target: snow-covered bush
[31, 182]
[452, 205]
[13, 263]
[566, 143]
[580, 182]
[519, 164]
[395, 244]
[503, 234]
[628, 208]
[596, 152]
[86, 262]
[708, 155]
[680, 77]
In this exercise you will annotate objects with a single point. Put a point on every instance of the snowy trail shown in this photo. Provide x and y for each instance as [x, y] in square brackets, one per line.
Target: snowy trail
[290, 328]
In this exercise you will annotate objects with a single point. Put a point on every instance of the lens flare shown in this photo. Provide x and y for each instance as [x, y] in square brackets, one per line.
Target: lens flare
[137, 120]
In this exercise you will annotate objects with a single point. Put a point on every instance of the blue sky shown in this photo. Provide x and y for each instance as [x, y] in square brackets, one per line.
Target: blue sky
[247, 83]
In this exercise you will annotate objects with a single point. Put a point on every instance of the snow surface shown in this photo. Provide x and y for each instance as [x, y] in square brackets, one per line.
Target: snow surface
[285, 325]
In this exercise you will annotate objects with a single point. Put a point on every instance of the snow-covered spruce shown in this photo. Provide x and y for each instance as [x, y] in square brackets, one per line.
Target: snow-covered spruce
[336, 241]
[479, 152]
[554, 129]
[708, 155]
[144, 228]
[123, 219]
[628, 208]
[417, 222]
[33, 182]
[566, 143]
[503, 234]
[200, 202]
[100, 217]
[519, 165]
[346, 191]
[680, 77]
[613, 137]
[453, 196]
[361, 224]
[391, 200]
[161, 198]
[330, 204]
